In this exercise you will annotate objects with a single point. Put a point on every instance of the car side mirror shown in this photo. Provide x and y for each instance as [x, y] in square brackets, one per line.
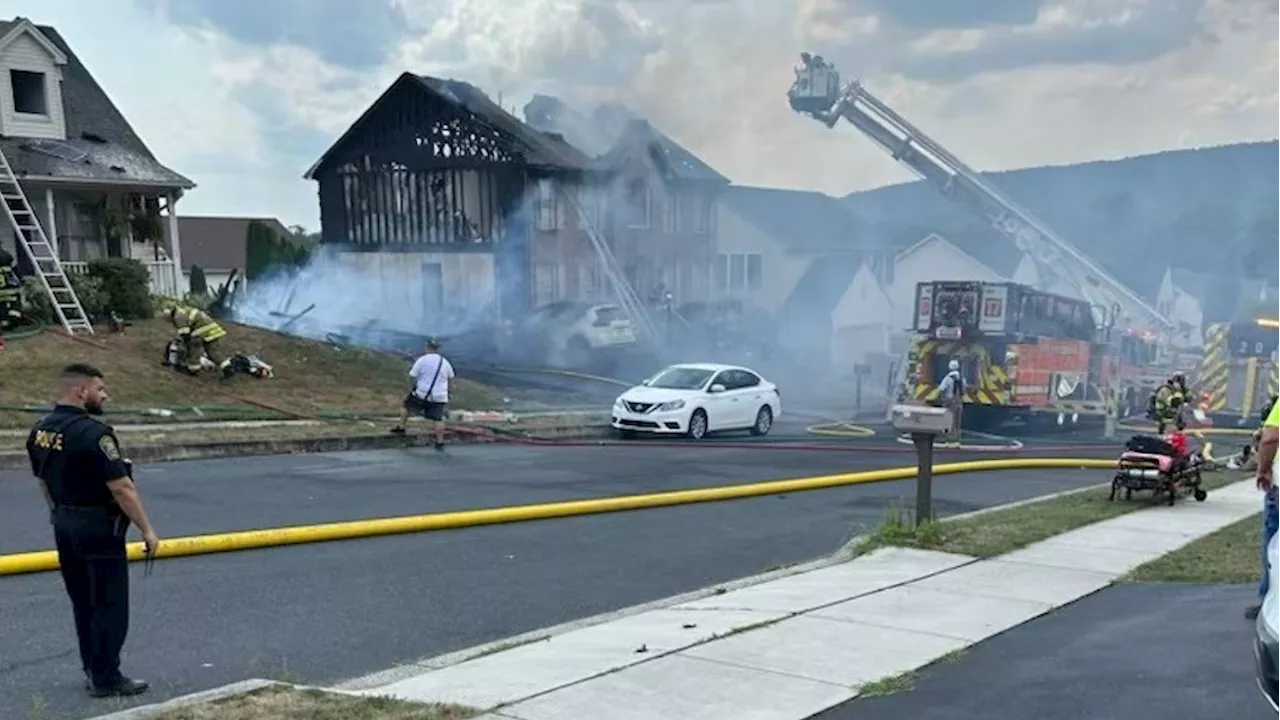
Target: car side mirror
[646, 381]
[717, 388]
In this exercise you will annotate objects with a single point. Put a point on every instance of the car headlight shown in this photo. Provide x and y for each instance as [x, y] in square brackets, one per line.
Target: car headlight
[617, 402]
[672, 405]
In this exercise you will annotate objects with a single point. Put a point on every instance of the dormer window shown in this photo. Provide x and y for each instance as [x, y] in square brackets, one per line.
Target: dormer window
[29, 96]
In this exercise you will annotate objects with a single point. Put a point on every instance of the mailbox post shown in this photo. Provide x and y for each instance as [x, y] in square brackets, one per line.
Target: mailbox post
[924, 423]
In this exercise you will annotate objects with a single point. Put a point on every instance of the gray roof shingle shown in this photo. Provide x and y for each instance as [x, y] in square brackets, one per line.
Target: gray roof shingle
[802, 220]
[218, 243]
[105, 146]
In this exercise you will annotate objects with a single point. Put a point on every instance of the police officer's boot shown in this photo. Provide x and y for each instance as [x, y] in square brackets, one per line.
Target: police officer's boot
[124, 687]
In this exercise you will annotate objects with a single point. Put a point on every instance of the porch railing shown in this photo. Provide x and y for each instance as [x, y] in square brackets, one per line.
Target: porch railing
[163, 280]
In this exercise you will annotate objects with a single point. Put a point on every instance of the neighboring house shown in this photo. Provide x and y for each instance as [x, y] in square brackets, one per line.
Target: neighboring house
[812, 263]
[437, 190]
[217, 245]
[659, 219]
[97, 190]
[768, 239]
[838, 311]
[937, 258]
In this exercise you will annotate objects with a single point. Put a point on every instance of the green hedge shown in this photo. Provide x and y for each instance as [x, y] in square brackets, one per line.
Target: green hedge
[115, 284]
[266, 251]
[127, 285]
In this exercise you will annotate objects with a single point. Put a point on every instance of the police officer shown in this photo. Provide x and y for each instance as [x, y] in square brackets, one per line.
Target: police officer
[92, 499]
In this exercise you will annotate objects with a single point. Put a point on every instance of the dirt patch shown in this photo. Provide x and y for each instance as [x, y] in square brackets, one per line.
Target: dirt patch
[281, 702]
[311, 377]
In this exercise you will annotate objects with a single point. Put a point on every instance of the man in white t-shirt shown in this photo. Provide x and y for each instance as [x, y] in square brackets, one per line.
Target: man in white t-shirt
[431, 374]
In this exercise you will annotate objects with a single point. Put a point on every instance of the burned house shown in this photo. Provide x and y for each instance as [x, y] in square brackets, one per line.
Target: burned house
[451, 200]
[660, 211]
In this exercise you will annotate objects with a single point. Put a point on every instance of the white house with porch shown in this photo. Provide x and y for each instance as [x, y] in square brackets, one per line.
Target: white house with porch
[95, 187]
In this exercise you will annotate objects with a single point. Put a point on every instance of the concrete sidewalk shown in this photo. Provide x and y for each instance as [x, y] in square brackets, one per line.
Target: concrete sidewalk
[789, 648]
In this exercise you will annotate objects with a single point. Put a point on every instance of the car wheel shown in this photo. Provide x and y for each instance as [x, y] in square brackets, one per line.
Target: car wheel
[698, 424]
[764, 421]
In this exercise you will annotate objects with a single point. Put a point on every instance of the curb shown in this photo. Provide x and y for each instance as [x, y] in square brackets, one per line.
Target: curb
[140, 712]
[13, 460]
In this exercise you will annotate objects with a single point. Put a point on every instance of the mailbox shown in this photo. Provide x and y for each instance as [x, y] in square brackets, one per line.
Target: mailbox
[923, 419]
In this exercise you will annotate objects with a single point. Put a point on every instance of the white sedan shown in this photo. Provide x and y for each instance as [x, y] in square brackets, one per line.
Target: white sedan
[694, 399]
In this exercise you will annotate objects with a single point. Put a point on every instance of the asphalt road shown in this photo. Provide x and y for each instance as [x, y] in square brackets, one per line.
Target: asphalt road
[207, 496]
[1131, 652]
[324, 613]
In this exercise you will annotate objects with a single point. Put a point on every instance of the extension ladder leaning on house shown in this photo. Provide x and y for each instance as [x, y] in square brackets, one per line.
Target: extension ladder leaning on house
[30, 236]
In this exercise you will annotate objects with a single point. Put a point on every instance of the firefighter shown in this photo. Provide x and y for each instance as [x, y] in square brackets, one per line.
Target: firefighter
[1167, 403]
[951, 395]
[196, 332]
[10, 293]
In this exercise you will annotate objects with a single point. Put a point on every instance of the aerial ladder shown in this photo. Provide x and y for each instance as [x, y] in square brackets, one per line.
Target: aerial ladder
[818, 92]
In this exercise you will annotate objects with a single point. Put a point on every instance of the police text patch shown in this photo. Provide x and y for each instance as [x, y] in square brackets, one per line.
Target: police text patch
[109, 447]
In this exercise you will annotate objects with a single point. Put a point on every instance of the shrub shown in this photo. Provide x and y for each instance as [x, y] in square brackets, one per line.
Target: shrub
[127, 285]
[93, 295]
[197, 300]
[38, 307]
[199, 285]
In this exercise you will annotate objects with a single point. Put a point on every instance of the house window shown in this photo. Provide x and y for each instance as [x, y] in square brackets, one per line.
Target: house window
[639, 204]
[736, 272]
[28, 92]
[548, 212]
[671, 216]
[701, 214]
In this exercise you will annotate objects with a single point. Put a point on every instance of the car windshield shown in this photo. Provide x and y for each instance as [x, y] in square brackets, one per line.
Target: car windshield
[681, 378]
[609, 314]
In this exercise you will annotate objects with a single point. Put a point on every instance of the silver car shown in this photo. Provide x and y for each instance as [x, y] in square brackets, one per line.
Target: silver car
[1265, 644]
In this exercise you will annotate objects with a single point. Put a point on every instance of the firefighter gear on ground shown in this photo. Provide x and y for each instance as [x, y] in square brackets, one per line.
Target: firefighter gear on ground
[10, 293]
[197, 333]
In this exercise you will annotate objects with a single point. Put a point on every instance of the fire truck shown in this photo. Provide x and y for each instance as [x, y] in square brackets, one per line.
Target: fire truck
[1238, 373]
[1025, 355]
[1060, 267]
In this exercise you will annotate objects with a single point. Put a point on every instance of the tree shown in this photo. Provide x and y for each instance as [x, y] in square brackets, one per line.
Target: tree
[199, 285]
[265, 251]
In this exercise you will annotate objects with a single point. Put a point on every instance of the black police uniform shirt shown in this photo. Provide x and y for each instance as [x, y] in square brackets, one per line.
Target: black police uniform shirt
[76, 455]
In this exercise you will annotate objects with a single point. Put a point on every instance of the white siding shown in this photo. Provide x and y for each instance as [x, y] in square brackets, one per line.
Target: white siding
[467, 283]
[861, 321]
[779, 271]
[24, 53]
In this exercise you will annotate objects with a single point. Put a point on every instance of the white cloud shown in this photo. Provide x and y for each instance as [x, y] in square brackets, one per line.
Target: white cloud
[246, 121]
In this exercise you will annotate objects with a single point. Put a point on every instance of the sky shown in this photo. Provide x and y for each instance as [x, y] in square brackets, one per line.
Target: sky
[243, 96]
